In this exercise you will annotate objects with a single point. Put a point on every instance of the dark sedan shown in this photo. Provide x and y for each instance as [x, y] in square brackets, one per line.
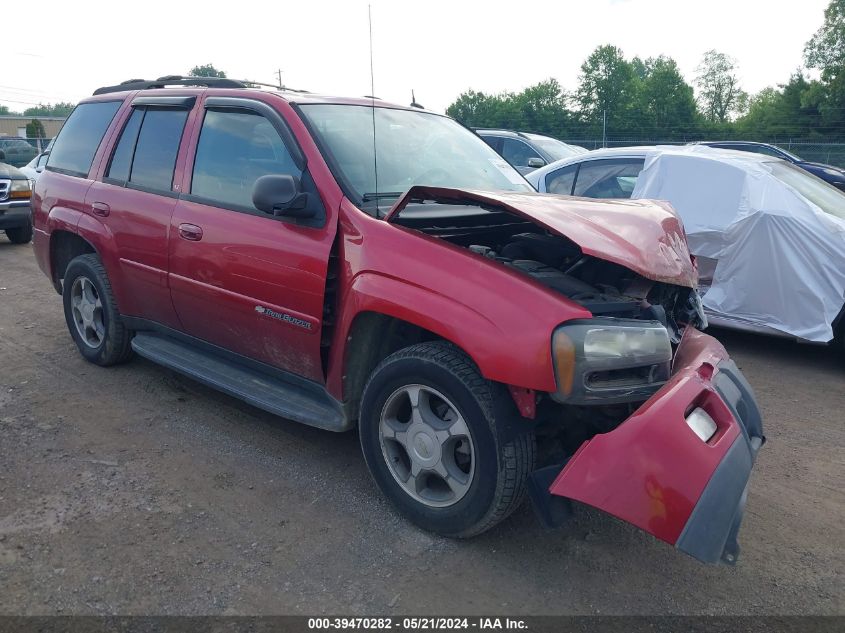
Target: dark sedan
[834, 175]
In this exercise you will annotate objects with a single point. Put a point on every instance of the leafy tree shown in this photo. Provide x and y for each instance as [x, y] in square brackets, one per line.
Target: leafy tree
[665, 102]
[720, 94]
[826, 52]
[826, 49]
[4, 109]
[206, 70]
[61, 109]
[607, 85]
[35, 129]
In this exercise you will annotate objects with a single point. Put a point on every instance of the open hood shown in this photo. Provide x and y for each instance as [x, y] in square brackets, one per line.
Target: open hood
[644, 236]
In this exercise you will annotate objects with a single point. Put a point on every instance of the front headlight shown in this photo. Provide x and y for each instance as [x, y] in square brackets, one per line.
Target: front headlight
[21, 190]
[608, 360]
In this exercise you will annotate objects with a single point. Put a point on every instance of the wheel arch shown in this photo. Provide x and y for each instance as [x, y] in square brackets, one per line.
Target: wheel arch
[372, 337]
[64, 247]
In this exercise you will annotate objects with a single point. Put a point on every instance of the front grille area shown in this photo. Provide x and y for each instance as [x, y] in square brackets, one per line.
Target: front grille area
[5, 186]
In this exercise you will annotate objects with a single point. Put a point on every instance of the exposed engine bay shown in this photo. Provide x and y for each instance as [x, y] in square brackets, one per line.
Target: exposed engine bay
[602, 287]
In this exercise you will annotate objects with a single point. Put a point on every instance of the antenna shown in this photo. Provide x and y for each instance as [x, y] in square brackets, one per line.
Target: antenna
[373, 107]
[279, 73]
[414, 103]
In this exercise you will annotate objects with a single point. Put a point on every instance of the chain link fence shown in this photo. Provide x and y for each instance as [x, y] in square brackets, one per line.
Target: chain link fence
[828, 153]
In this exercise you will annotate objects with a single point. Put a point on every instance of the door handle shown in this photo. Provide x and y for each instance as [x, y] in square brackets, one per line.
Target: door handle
[190, 232]
[101, 209]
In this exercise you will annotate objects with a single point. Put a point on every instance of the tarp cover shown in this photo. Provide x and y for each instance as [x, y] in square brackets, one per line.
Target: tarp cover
[781, 258]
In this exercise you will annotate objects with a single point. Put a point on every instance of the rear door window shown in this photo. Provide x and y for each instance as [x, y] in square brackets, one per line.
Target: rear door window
[156, 148]
[80, 137]
[121, 160]
[609, 178]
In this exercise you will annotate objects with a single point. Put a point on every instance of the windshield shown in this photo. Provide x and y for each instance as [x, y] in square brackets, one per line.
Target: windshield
[827, 197]
[414, 148]
[557, 149]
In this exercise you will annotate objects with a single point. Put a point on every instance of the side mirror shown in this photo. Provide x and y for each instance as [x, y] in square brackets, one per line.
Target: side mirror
[41, 162]
[536, 161]
[280, 195]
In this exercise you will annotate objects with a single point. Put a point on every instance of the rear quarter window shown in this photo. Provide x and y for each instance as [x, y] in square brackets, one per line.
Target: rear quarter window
[74, 149]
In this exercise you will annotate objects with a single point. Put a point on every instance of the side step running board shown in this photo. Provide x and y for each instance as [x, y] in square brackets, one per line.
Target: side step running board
[305, 404]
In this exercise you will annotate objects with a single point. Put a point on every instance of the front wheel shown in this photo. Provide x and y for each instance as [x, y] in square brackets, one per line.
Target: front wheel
[430, 429]
[20, 235]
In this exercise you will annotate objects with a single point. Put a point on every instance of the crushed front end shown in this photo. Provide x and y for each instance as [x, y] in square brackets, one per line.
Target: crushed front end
[678, 466]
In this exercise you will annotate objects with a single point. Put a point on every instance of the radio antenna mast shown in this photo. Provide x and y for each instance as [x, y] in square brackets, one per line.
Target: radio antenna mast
[373, 102]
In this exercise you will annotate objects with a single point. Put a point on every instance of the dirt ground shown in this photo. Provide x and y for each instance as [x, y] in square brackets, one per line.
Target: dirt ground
[132, 490]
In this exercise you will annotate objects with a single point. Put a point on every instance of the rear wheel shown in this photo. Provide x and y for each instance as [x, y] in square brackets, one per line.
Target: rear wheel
[91, 313]
[431, 437]
[20, 235]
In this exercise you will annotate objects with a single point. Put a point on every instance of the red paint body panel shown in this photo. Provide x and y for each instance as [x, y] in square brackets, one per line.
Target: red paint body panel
[244, 261]
[642, 235]
[405, 274]
[652, 469]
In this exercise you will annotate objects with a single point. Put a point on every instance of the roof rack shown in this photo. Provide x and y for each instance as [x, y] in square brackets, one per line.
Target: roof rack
[181, 80]
[171, 80]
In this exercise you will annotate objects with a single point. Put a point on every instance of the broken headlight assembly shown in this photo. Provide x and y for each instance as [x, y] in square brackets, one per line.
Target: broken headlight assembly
[610, 361]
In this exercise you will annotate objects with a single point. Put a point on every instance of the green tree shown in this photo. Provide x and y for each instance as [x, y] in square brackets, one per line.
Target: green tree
[665, 101]
[4, 109]
[719, 91]
[607, 85]
[206, 70]
[61, 109]
[826, 52]
[35, 129]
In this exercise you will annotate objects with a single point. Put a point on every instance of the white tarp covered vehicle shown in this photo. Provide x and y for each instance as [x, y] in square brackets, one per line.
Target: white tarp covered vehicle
[773, 234]
[769, 237]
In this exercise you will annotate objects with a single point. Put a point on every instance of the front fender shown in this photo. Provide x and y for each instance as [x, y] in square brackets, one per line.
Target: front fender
[512, 357]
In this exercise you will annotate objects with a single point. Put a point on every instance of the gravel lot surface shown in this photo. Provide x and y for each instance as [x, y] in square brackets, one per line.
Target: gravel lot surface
[132, 490]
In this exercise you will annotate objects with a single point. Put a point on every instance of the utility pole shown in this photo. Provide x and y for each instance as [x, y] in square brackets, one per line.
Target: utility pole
[604, 130]
[279, 73]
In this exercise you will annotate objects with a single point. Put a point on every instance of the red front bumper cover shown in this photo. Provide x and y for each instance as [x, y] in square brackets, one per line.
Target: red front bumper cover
[656, 473]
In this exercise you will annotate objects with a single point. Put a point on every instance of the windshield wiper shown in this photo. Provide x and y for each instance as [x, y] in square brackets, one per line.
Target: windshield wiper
[368, 197]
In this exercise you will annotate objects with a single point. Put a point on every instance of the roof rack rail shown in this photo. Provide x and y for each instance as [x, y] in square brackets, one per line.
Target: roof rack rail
[172, 80]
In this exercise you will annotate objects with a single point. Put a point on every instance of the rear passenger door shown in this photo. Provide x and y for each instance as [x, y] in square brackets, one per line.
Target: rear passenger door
[135, 199]
[241, 279]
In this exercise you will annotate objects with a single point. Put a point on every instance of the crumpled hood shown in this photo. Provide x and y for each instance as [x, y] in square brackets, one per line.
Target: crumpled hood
[645, 236]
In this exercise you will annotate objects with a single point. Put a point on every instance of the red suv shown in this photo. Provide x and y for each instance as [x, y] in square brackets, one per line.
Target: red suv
[347, 262]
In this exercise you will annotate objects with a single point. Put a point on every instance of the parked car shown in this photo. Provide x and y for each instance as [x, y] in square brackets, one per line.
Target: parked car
[769, 237]
[15, 209]
[34, 167]
[16, 151]
[526, 151]
[830, 174]
[486, 340]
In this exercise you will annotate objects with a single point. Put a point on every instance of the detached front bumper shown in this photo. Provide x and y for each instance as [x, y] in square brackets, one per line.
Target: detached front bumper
[654, 471]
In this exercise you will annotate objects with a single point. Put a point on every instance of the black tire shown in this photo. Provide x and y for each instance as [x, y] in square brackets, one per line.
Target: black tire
[501, 464]
[20, 235]
[115, 345]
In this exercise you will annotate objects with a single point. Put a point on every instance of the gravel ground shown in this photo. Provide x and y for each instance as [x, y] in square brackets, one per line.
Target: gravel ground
[132, 490]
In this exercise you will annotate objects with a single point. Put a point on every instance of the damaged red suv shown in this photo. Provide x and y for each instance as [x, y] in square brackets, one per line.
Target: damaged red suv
[347, 262]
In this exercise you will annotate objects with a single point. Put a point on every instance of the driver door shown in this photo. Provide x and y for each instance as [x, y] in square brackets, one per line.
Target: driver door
[241, 279]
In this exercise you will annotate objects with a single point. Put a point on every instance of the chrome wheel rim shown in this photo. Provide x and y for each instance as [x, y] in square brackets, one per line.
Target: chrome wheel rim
[87, 311]
[427, 445]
